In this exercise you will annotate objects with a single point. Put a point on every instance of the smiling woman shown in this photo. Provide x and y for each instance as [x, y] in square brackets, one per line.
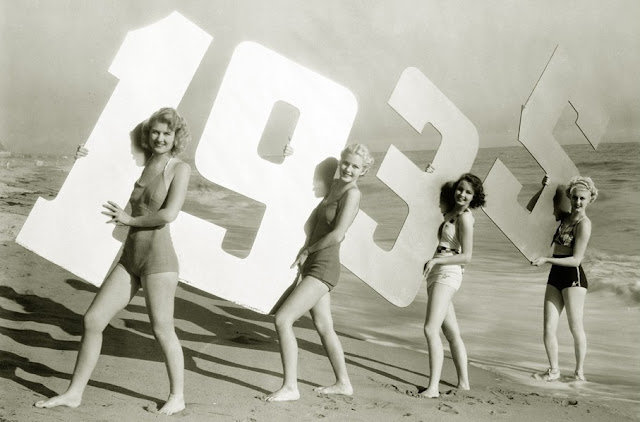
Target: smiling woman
[567, 283]
[444, 272]
[319, 265]
[148, 259]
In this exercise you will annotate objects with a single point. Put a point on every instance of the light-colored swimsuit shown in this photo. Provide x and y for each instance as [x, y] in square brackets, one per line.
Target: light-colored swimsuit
[448, 245]
[149, 250]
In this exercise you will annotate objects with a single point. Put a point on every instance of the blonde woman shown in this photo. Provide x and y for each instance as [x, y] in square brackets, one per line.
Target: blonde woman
[319, 264]
[148, 259]
[567, 283]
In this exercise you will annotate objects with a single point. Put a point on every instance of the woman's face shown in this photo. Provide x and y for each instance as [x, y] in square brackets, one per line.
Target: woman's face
[580, 198]
[463, 194]
[161, 138]
[351, 167]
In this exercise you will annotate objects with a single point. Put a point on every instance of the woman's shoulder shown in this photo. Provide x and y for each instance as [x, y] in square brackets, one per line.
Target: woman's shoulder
[583, 222]
[352, 192]
[179, 168]
[180, 165]
[467, 217]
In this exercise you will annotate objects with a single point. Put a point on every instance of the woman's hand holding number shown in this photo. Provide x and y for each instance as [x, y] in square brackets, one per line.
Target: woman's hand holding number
[81, 151]
[117, 214]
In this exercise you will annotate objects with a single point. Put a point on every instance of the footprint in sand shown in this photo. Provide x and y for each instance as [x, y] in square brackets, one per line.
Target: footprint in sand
[446, 408]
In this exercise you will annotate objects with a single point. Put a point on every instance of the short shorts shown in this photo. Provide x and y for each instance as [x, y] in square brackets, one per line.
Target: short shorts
[565, 277]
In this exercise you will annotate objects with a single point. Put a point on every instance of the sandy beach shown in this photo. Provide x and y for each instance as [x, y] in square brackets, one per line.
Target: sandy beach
[231, 354]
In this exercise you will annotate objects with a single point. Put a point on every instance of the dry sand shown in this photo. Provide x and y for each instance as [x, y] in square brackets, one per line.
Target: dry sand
[231, 354]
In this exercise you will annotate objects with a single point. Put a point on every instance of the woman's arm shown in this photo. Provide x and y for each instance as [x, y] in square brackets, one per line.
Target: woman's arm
[534, 199]
[175, 198]
[582, 236]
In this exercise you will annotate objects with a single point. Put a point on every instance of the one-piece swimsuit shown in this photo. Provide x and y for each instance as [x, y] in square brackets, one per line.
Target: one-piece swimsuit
[324, 264]
[149, 250]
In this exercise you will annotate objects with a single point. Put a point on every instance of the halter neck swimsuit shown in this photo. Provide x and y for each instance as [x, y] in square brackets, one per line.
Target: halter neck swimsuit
[324, 264]
[564, 277]
[149, 250]
[448, 245]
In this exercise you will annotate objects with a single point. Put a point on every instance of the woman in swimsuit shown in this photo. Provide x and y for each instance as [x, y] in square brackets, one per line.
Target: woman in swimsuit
[567, 283]
[319, 264]
[148, 259]
[443, 273]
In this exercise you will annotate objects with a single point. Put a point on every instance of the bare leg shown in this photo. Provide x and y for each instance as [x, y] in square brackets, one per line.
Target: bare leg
[114, 294]
[304, 296]
[321, 314]
[553, 306]
[437, 306]
[574, 301]
[458, 350]
[159, 293]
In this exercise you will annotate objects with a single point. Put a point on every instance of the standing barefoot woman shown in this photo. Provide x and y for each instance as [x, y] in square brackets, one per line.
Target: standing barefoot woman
[148, 259]
[444, 277]
[567, 284]
[319, 262]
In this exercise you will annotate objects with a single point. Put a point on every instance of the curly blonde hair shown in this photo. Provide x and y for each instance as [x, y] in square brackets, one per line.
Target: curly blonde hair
[582, 182]
[175, 123]
[362, 151]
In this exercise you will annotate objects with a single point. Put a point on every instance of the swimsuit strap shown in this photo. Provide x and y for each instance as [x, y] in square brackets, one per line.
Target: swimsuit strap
[324, 203]
[455, 217]
[167, 165]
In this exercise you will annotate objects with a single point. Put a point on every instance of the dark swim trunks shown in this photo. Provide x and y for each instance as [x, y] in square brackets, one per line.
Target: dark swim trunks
[565, 277]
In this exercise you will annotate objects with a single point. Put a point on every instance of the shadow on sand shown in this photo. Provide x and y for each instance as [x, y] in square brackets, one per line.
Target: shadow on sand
[228, 324]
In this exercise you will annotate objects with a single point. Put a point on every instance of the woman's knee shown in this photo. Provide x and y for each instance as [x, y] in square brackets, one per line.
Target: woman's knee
[431, 330]
[163, 329]
[324, 327]
[94, 322]
[283, 321]
[452, 335]
[577, 329]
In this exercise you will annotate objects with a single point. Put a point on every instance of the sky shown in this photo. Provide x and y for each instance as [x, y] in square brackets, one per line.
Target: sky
[485, 56]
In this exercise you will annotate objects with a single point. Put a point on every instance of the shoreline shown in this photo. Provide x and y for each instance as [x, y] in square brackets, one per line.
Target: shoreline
[231, 354]
[231, 359]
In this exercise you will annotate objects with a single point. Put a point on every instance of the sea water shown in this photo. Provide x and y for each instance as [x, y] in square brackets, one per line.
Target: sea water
[500, 305]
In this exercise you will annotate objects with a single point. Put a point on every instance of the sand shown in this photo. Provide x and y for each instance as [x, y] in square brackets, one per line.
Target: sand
[231, 354]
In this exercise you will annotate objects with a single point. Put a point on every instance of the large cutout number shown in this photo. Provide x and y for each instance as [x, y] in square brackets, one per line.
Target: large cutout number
[255, 80]
[531, 232]
[397, 274]
[70, 230]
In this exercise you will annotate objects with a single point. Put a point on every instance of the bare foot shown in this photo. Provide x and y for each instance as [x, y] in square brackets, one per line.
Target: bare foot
[463, 386]
[174, 404]
[284, 394]
[430, 394]
[65, 399]
[549, 375]
[579, 376]
[337, 388]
